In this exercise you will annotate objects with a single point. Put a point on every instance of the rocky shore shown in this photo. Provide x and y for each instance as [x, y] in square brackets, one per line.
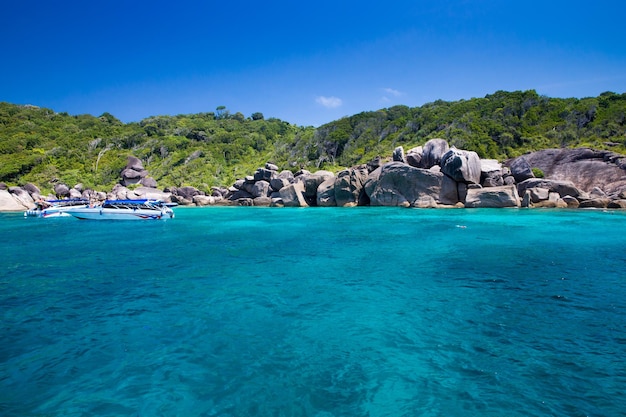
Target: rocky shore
[430, 176]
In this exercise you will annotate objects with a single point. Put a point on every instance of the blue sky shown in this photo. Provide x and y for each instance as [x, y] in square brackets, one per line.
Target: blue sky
[307, 63]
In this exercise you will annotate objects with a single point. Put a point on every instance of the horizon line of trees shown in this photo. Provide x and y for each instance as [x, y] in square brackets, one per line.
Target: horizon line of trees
[41, 146]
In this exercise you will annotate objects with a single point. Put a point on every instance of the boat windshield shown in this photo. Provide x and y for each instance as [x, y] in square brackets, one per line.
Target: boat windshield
[132, 204]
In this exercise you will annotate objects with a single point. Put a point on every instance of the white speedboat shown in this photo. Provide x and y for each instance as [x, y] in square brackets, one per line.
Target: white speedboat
[55, 208]
[125, 210]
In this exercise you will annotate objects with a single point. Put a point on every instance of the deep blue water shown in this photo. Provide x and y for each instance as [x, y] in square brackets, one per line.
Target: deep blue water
[315, 312]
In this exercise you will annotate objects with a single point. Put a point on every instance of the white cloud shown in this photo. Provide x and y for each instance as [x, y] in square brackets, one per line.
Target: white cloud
[393, 92]
[390, 92]
[329, 102]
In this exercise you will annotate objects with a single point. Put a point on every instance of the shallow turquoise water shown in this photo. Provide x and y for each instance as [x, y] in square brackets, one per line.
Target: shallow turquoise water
[315, 312]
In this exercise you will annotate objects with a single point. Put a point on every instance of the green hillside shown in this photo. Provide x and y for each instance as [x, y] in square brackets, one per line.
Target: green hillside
[41, 146]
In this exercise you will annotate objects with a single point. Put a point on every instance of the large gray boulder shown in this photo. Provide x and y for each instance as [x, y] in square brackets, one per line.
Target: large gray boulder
[286, 174]
[278, 183]
[187, 192]
[271, 167]
[371, 181]
[617, 204]
[9, 203]
[205, 200]
[149, 193]
[22, 197]
[521, 169]
[402, 185]
[349, 186]
[461, 166]
[449, 191]
[600, 202]
[261, 189]
[491, 173]
[61, 190]
[293, 195]
[313, 181]
[134, 163]
[148, 182]
[562, 187]
[235, 196]
[262, 201]
[326, 193]
[585, 168]
[492, 197]
[398, 155]
[119, 192]
[74, 193]
[434, 149]
[32, 189]
[414, 156]
[134, 172]
[264, 174]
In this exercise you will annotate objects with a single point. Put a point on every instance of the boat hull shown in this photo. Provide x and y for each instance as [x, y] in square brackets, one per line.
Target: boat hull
[52, 212]
[99, 213]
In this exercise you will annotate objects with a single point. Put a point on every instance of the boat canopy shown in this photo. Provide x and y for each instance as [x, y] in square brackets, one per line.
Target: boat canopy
[68, 200]
[138, 202]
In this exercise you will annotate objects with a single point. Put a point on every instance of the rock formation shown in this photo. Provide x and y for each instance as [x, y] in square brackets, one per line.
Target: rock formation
[434, 175]
[585, 168]
[400, 184]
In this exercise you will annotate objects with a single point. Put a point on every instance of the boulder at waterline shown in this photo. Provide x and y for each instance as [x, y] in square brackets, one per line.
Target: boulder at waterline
[293, 195]
[617, 204]
[326, 193]
[601, 202]
[492, 197]
[204, 200]
[349, 186]
[585, 168]
[262, 201]
[9, 203]
[562, 187]
[449, 191]
[313, 181]
[22, 197]
[402, 185]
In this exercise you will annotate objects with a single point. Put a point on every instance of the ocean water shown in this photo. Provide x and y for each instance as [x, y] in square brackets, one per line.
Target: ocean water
[315, 312]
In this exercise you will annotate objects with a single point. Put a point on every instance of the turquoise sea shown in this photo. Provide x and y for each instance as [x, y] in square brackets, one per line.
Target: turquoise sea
[228, 311]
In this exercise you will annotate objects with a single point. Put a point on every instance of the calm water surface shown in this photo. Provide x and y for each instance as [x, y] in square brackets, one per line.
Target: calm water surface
[315, 312]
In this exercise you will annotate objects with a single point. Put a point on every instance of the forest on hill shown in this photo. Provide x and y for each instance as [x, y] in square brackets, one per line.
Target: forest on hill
[41, 146]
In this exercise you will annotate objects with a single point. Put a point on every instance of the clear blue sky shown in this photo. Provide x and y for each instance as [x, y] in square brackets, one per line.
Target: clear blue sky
[307, 63]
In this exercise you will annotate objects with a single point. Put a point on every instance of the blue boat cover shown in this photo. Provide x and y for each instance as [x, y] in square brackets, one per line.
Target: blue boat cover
[68, 200]
[143, 201]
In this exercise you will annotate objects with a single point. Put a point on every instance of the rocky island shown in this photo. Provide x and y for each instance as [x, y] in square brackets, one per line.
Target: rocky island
[434, 175]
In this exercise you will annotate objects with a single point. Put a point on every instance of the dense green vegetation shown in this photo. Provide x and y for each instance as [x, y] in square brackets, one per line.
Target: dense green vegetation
[41, 146]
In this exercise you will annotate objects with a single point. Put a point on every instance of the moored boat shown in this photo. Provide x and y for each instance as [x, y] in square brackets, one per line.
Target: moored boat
[125, 210]
[55, 208]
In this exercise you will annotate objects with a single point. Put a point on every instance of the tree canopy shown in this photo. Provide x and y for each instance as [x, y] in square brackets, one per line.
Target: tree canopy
[41, 146]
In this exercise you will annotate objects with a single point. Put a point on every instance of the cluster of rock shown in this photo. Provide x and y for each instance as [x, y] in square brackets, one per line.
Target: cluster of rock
[135, 173]
[24, 198]
[433, 175]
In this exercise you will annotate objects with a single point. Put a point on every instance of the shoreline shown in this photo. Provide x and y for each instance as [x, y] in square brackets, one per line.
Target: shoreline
[430, 176]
